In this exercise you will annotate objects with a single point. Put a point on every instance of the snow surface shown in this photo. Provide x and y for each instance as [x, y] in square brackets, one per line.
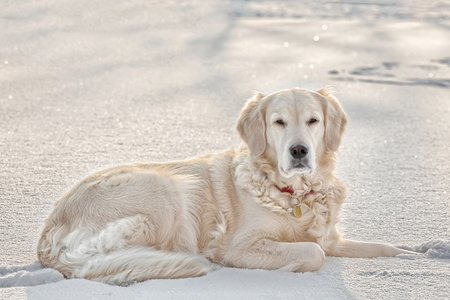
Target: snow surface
[89, 84]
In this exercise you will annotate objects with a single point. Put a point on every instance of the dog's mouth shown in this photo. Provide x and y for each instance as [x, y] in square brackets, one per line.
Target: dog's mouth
[297, 168]
[300, 166]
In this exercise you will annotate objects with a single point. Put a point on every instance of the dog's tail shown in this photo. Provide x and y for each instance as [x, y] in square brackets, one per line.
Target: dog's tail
[105, 256]
[135, 264]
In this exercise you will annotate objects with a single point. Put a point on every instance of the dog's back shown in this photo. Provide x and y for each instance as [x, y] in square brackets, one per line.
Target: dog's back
[137, 222]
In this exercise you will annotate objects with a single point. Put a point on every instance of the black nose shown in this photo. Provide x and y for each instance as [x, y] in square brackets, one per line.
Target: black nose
[298, 151]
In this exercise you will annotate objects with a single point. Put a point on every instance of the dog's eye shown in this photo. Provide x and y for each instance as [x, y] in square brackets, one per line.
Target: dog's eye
[279, 121]
[312, 121]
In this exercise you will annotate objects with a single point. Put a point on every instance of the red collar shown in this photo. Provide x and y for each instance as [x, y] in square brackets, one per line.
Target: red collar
[290, 190]
[286, 189]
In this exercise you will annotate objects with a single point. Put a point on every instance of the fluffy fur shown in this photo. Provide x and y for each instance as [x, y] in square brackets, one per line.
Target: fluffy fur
[169, 220]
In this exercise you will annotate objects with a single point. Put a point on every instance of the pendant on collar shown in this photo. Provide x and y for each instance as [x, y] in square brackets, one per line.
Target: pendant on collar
[296, 210]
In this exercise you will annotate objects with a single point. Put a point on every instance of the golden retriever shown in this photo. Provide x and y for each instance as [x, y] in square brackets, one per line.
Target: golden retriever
[273, 204]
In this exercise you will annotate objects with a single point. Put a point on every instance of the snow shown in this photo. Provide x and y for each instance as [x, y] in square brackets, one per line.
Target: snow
[29, 275]
[89, 84]
[434, 249]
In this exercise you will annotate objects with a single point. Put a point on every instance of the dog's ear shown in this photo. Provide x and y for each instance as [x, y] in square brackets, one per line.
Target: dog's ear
[251, 125]
[335, 121]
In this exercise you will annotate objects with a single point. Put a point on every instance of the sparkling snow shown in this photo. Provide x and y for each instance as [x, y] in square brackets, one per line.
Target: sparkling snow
[89, 84]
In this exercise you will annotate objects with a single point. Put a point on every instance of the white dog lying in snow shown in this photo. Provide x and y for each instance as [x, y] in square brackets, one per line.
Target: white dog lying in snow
[273, 204]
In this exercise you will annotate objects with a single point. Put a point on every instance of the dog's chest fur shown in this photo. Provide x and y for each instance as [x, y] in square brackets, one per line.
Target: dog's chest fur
[319, 200]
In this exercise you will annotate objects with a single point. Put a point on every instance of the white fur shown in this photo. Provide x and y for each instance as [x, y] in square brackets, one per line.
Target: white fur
[169, 220]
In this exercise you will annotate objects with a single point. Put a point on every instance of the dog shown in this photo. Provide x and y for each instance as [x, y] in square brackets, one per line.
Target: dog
[271, 204]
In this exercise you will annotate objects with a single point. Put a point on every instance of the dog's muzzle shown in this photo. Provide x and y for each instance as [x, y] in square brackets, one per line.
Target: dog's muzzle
[298, 161]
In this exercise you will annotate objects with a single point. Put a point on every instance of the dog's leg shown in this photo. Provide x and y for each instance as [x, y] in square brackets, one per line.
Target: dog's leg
[136, 264]
[349, 248]
[119, 254]
[269, 254]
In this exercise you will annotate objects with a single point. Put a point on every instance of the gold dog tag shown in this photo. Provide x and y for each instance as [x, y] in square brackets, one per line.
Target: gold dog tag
[297, 211]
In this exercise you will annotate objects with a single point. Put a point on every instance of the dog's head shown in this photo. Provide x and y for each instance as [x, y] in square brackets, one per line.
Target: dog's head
[293, 128]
